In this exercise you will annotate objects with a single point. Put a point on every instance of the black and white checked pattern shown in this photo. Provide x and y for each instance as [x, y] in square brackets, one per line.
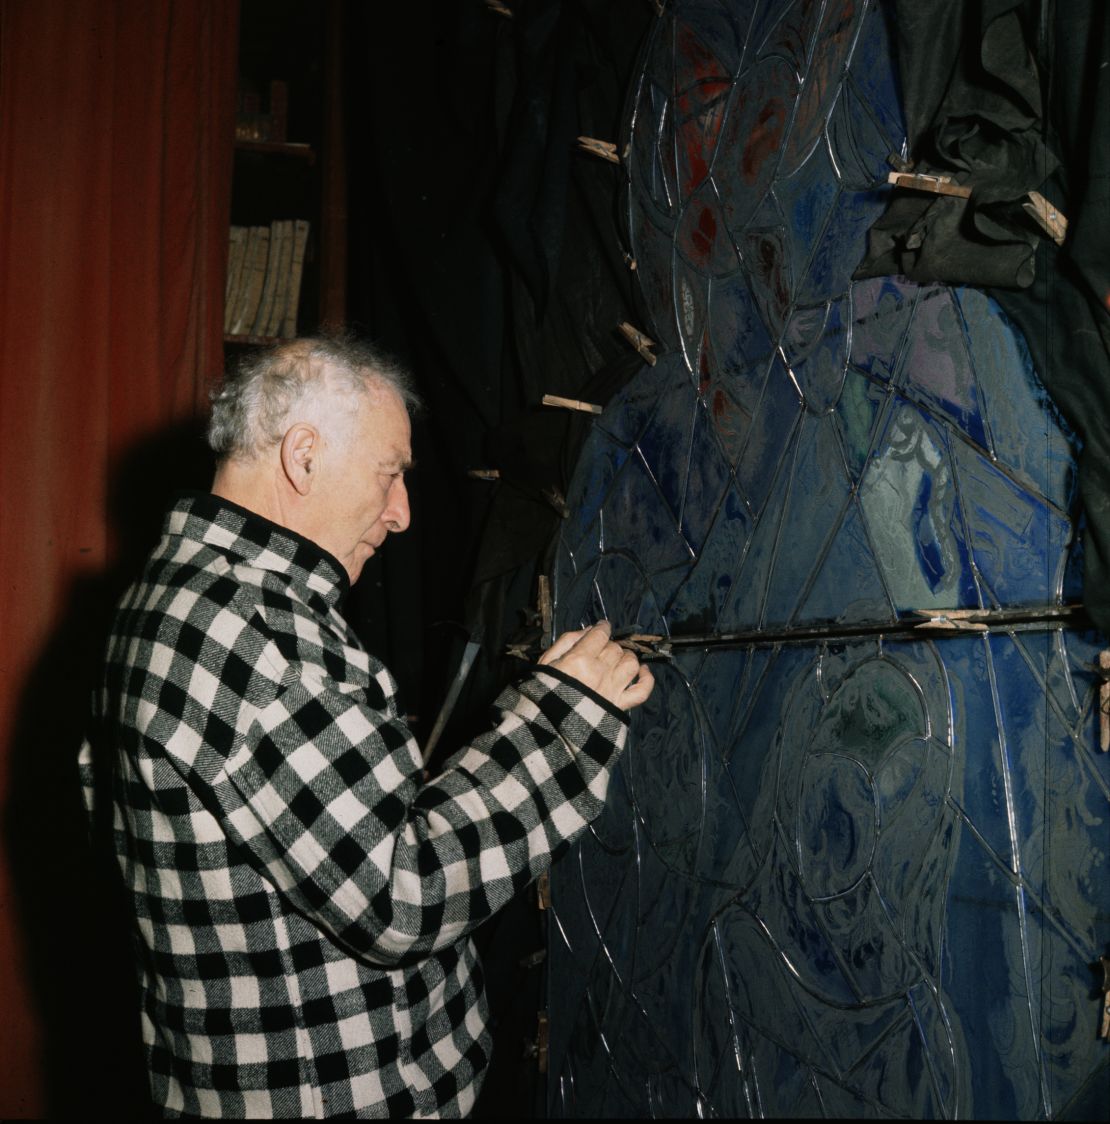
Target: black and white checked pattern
[302, 899]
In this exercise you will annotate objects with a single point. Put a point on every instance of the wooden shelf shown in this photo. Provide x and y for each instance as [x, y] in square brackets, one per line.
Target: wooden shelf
[297, 51]
[251, 341]
[278, 148]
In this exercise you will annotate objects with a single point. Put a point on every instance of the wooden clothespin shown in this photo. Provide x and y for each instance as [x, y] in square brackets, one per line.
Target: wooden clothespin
[639, 341]
[605, 149]
[936, 185]
[543, 597]
[642, 643]
[543, 891]
[538, 1049]
[1104, 702]
[484, 474]
[1047, 217]
[557, 501]
[571, 404]
[957, 620]
[1104, 988]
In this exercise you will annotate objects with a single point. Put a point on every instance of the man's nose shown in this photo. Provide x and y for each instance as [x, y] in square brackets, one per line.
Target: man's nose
[396, 514]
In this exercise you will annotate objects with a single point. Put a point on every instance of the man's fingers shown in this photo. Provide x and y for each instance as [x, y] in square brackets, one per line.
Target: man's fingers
[639, 689]
[561, 646]
[594, 640]
[586, 641]
[591, 656]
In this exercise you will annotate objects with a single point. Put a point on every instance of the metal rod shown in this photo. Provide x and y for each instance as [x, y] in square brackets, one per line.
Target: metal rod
[471, 650]
[938, 622]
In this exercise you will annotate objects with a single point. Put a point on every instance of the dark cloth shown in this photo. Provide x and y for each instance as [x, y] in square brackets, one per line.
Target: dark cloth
[1008, 97]
[303, 899]
[973, 107]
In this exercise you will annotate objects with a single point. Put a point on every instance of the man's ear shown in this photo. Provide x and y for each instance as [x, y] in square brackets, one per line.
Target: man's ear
[299, 448]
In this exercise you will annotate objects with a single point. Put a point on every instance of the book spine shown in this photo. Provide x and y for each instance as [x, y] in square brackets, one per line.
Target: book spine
[253, 282]
[237, 241]
[293, 301]
[269, 285]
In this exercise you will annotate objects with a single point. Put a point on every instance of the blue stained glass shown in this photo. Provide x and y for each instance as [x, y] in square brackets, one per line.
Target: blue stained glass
[910, 502]
[740, 341]
[848, 583]
[655, 276]
[845, 868]
[937, 367]
[844, 239]
[775, 415]
[691, 304]
[861, 142]
[807, 199]
[698, 601]
[881, 313]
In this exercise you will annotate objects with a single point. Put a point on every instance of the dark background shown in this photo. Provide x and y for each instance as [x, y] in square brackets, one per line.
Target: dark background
[485, 252]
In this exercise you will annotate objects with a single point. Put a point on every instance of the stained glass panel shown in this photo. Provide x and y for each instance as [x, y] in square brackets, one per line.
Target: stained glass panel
[848, 867]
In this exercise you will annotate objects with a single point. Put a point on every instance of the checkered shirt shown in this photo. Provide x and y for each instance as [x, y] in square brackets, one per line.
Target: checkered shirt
[302, 898]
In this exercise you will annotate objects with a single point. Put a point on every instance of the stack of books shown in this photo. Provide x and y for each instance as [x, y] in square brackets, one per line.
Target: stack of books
[264, 270]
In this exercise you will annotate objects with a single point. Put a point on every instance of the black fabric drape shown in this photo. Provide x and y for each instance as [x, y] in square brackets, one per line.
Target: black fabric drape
[487, 255]
[490, 260]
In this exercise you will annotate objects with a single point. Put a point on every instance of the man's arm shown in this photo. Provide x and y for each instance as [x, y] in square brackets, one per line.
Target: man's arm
[326, 795]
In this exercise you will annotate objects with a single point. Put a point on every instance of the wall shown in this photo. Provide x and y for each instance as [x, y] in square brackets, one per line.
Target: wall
[115, 146]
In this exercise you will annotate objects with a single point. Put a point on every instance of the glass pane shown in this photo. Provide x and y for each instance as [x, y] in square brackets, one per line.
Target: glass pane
[846, 868]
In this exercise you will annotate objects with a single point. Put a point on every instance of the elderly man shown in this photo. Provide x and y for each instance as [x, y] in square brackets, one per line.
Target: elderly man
[302, 896]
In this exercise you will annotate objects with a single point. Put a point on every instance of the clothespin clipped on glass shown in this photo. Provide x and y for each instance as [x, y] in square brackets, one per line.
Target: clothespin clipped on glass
[571, 404]
[643, 344]
[1104, 989]
[642, 643]
[1047, 217]
[954, 620]
[607, 150]
[557, 500]
[935, 185]
[1104, 701]
[538, 1049]
[546, 609]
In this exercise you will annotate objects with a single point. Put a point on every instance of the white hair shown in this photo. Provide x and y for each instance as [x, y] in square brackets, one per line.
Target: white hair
[254, 407]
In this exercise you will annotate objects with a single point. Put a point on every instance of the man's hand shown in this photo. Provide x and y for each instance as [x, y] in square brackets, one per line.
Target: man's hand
[591, 657]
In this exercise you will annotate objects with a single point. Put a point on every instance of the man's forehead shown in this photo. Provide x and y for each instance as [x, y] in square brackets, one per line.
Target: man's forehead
[387, 427]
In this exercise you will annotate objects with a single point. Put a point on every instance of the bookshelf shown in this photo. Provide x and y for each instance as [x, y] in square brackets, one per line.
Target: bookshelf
[287, 239]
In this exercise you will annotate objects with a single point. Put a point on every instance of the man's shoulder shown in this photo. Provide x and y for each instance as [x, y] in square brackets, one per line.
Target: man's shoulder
[190, 581]
[198, 602]
[206, 602]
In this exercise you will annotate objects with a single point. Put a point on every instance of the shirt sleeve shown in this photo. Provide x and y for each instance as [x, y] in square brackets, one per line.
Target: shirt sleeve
[326, 794]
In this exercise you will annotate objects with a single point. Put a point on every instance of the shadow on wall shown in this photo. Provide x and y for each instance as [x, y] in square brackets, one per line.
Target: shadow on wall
[71, 908]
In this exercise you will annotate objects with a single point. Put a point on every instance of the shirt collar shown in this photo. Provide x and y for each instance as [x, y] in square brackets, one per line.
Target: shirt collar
[253, 539]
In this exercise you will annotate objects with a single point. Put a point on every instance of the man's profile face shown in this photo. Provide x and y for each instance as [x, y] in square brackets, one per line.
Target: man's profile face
[363, 496]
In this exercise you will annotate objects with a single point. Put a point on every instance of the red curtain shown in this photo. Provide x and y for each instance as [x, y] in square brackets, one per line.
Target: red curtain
[116, 124]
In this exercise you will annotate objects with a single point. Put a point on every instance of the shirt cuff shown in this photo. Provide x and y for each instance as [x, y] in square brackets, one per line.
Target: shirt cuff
[556, 673]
